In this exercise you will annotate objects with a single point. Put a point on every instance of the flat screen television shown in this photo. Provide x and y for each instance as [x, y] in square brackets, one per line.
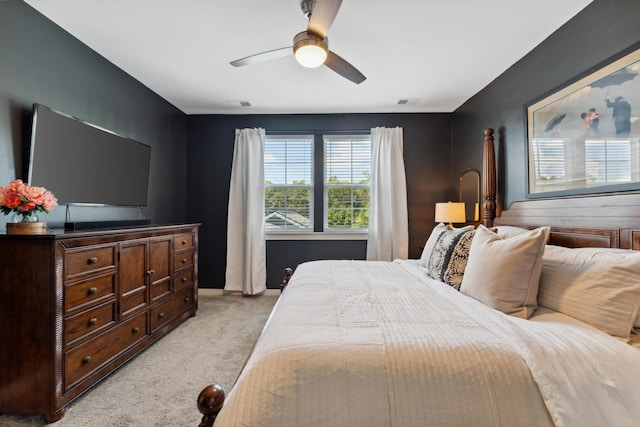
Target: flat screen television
[81, 163]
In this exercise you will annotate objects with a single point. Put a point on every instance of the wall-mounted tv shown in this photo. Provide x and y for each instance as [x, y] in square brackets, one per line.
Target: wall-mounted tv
[82, 163]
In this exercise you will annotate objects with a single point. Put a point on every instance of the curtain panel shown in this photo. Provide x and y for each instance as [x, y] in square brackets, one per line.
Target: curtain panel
[246, 249]
[388, 218]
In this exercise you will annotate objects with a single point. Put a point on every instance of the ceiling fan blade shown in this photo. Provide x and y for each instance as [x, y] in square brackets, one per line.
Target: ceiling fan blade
[264, 56]
[342, 67]
[322, 16]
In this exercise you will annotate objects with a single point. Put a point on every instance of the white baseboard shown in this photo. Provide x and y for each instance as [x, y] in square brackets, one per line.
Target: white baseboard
[217, 292]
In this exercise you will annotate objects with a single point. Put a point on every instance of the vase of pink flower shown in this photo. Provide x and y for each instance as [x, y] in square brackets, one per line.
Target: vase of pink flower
[24, 202]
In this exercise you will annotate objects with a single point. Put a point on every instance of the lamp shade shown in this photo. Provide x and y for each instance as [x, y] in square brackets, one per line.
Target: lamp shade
[450, 212]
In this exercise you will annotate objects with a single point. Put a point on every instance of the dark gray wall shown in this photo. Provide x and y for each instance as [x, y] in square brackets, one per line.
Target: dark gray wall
[41, 63]
[289, 253]
[602, 30]
[427, 156]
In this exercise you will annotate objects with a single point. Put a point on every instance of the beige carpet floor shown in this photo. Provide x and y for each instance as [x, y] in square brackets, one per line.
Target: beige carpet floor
[160, 386]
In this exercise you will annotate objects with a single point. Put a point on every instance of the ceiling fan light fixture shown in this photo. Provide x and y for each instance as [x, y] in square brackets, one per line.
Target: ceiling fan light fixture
[310, 50]
[311, 56]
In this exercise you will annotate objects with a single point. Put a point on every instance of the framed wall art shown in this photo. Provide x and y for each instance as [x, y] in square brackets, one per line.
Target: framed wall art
[584, 138]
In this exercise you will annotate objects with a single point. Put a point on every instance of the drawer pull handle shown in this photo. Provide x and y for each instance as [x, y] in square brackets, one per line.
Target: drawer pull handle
[92, 291]
[135, 330]
[187, 299]
[150, 272]
[92, 260]
[184, 242]
[184, 279]
[184, 260]
[86, 360]
[93, 321]
[160, 315]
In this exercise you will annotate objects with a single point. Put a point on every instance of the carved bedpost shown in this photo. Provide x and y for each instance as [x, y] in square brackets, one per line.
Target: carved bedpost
[210, 403]
[488, 179]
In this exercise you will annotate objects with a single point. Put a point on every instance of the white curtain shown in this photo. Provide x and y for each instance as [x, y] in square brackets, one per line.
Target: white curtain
[388, 218]
[246, 253]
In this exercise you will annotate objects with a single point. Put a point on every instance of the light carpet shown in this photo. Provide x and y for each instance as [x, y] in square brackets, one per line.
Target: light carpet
[159, 387]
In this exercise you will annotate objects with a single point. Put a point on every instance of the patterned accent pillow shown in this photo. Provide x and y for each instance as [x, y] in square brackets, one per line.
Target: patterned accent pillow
[449, 256]
[433, 239]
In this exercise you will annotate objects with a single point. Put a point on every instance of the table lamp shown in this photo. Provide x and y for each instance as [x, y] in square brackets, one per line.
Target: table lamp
[450, 212]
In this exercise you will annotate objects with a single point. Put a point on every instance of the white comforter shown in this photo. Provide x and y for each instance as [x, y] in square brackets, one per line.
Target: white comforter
[355, 343]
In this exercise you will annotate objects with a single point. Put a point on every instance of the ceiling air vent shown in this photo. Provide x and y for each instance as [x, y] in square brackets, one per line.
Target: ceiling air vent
[242, 104]
[408, 101]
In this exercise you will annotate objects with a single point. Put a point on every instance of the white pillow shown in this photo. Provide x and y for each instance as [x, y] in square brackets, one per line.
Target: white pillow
[509, 230]
[599, 286]
[503, 273]
[433, 239]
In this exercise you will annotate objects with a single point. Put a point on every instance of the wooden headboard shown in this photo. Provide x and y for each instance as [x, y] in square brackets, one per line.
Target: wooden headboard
[609, 221]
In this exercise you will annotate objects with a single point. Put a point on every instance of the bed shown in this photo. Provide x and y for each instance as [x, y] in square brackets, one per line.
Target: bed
[526, 319]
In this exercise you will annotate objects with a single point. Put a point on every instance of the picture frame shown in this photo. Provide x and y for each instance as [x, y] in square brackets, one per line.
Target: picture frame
[584, 138]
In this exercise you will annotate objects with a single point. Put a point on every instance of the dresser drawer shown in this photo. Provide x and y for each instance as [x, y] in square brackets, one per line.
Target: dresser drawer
[79, 262]
[171, 309]
[182, 279]
[183, 242]
[86, 358]
[80, 294]
[86, 324]
[183, 261]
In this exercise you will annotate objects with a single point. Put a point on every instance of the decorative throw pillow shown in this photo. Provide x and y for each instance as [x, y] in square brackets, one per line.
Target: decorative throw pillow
[433, 239]
[599, 286]
[504, 273]
[449, 256]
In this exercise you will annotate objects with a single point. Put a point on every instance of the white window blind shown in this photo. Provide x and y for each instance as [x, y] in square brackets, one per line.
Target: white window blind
[549, 157]
[608, 160]
[288, 190]
[347, 161]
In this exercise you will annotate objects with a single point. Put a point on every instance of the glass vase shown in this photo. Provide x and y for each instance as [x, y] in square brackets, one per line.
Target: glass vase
[20, 217]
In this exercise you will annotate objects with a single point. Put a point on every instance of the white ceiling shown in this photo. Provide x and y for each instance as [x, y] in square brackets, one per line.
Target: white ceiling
[436, 53]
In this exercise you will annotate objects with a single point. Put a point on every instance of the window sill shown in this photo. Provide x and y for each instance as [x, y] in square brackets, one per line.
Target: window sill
[318, 236]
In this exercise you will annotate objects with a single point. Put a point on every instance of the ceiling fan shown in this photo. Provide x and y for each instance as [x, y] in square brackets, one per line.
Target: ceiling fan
[311, 47]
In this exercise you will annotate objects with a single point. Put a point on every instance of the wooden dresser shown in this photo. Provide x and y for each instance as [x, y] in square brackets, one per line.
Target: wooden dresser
[76, 305]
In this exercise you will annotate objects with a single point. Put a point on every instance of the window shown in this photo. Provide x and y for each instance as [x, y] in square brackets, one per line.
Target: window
[288, 189]
[339, 183]
[347, 177]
